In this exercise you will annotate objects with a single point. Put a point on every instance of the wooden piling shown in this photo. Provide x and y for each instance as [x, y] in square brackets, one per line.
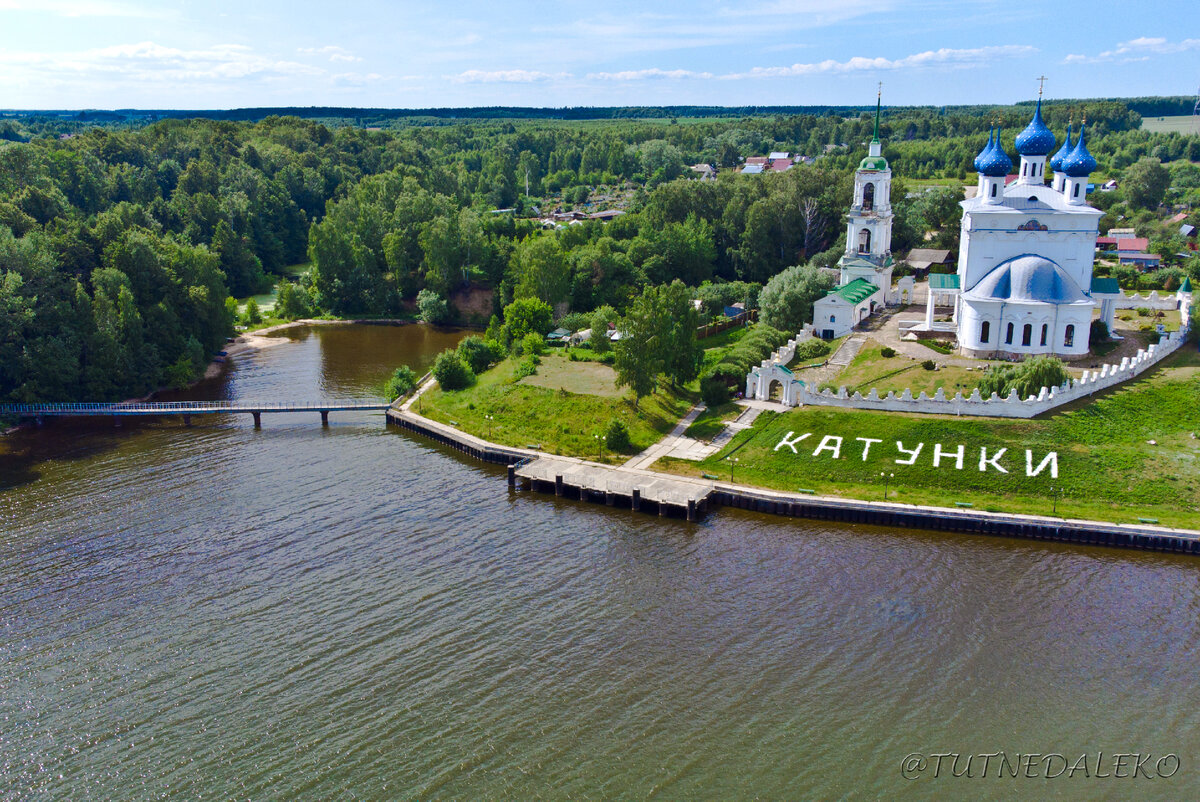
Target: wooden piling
[558, 485]
[637, 500]
[512, 475]
[324, 417]
[257, 419]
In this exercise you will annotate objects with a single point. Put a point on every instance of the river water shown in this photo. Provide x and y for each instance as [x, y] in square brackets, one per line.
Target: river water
[299, 612]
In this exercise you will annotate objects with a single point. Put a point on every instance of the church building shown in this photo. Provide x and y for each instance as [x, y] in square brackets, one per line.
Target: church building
[865, 269]
[1027, 250]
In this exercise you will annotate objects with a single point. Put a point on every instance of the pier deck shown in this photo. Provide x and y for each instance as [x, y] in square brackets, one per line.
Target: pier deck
[585, 480]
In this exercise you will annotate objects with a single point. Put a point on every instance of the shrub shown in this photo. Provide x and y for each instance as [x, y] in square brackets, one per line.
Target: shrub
[292, 301]
[811, 349]
[431, 307]
[1027, 378]
[526, 367]
[528, 315]
[252, 316]
[618, 435]
[714, 391]
[452, 372]
[533, 344]
[887, 353]
[1098, 332]
[478, 353]
[1143, 311]
[929, 364]
[402, 382]
[575, 321]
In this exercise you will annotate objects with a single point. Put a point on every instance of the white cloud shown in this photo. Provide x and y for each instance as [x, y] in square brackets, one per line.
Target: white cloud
[505, 76]
[84, 8]
[929, 58]
[654, 72]
[1140, 49]
[334, 53]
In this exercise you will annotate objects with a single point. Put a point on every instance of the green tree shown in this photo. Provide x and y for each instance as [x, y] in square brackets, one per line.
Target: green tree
[292, 301]
[638, 357]
[527, 315]
[402, 382]
[432, 307]
[1145, 183]
[787, 299]
[541, 270]
[451, 372]
[601, 317]
[681, 351]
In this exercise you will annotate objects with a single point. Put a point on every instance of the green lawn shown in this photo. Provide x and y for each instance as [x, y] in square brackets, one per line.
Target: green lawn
[711, 422]
[558, 372]
[871, 369]
[560, 421]
[1131, 453]
[266, 301]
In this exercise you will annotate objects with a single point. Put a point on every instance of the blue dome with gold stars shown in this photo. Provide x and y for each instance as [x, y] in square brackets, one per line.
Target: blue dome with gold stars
[1036, 139]
[994, 162]
[1057, 161]
[983, 153]
[1080, 163]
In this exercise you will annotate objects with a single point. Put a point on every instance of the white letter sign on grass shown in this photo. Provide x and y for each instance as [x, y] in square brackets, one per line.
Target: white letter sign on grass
[867, 441]
[791, 443]
[958, 455]
[1050, 459]
[836, 446]
[994, 460]
[912, 452]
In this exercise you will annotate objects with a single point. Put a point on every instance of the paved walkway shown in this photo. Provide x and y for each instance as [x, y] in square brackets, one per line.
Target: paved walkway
[669, 443]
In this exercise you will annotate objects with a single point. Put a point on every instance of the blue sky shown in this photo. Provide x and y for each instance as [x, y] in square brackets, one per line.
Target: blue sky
[219, 54]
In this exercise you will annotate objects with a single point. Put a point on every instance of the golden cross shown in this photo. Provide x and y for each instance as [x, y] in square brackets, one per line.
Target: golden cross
[1041, 83]
[880, 92]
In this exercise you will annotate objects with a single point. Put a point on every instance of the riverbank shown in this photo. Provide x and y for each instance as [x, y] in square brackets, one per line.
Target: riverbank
[1147, 535]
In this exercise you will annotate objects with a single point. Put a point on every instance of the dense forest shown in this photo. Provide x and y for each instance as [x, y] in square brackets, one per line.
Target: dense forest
[123, 242]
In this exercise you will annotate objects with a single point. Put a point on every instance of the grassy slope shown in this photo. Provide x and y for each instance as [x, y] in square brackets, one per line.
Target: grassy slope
[1107, 468]
[870, 369]
[560, 421]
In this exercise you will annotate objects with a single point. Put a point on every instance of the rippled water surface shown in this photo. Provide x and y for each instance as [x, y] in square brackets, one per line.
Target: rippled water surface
[299, 612]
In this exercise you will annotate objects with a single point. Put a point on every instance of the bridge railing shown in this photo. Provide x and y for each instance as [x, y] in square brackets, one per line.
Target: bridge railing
[167, 407]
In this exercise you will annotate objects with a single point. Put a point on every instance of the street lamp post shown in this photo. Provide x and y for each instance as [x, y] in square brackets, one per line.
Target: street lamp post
[600, 444]
[886, 478]
[491, 421]
[732, 462]
[1054, 497]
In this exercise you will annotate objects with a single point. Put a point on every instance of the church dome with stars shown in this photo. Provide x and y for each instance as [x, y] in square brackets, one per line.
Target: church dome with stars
[1080, 163]
[1056, 161]
[993, 161]
[1036, 139]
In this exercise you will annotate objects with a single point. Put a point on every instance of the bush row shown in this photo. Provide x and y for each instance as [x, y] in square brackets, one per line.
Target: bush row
[751, 350]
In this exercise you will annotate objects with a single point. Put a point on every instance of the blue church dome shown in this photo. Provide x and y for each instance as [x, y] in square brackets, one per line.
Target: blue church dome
[1080, 163]
[994, 162]
[1027, 278]
[1036, 139]
[984, 153]
[1056, 161]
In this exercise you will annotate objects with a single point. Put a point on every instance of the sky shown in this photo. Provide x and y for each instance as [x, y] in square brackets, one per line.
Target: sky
[180, 54]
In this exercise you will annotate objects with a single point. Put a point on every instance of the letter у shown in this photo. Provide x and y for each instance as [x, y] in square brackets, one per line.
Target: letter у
[912, 452]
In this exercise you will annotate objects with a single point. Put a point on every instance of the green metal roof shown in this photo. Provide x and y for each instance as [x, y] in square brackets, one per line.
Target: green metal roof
[856, 291]
[873, 163]
[943, 281]
[1105, 286]
[1187, 284]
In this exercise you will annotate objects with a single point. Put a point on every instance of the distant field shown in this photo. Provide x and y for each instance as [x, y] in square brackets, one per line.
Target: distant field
[1181, 125]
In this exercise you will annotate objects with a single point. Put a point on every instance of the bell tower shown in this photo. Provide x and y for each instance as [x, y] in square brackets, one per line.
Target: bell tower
[869, 224]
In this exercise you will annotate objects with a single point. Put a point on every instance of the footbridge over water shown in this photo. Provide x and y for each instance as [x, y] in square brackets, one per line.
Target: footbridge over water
[184, 409]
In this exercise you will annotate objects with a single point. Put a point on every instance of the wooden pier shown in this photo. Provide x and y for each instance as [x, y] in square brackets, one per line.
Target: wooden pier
[639, 490]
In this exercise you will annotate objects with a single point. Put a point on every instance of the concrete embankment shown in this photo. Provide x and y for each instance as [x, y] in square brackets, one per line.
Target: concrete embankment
[826, 508]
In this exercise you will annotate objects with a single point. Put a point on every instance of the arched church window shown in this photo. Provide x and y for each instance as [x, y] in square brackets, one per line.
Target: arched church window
[984, 331]
[1069, 337]
[833, 318]
[1008, 334]
[1045, 332]
[1027, 335]
[868, 197]
[993, 190]
[1076, 191]
[864, 241]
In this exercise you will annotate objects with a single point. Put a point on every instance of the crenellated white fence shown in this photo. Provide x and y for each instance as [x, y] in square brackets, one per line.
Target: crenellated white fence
[797, 393]
[1159, 303]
